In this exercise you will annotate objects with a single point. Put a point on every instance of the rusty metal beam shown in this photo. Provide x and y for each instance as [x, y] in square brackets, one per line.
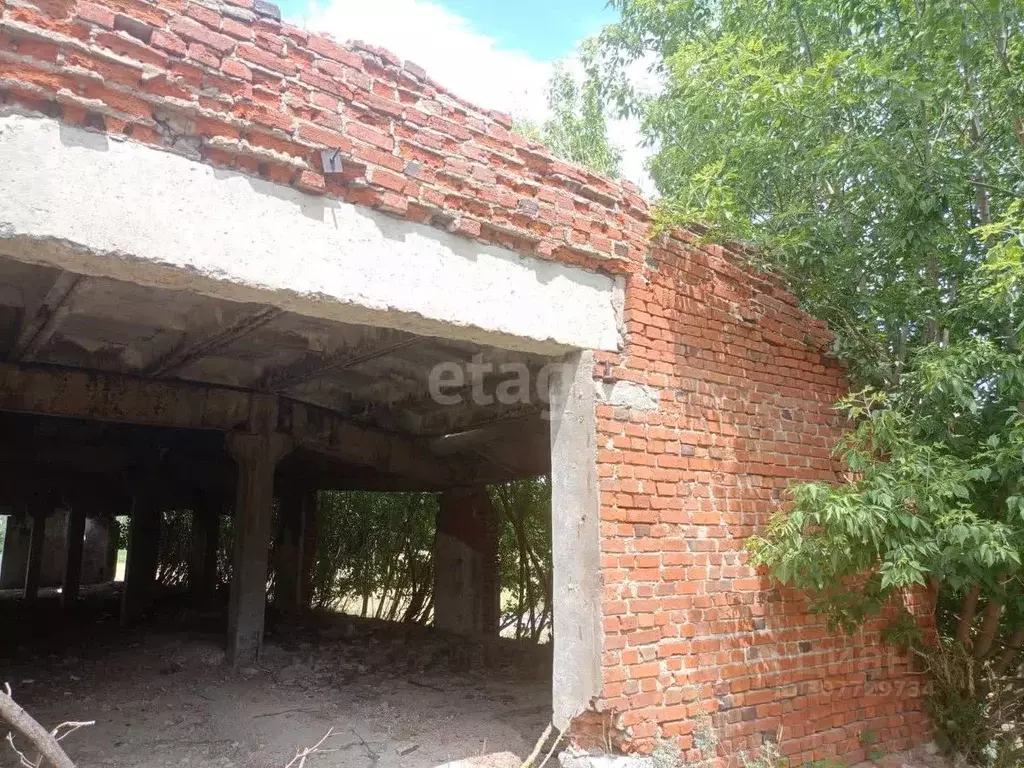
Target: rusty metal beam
[184, 405]
[198, 345]
[315, 367]
[54, 309]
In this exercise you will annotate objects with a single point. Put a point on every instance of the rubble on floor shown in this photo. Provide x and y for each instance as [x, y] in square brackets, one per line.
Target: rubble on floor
[395, 695]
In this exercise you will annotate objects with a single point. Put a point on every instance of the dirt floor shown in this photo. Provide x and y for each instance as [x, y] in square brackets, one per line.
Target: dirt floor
[398, 696]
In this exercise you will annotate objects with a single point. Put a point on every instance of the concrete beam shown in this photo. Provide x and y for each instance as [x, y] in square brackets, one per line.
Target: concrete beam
[80, 201]
[185, 405]
[199, 344]
[38, 330]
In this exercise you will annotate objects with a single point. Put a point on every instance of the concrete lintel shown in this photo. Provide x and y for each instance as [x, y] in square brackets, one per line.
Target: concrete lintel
[90, 204]
[177, 404]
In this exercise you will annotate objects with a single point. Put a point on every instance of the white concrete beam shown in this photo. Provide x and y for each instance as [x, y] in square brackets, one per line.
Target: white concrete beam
[84, 202]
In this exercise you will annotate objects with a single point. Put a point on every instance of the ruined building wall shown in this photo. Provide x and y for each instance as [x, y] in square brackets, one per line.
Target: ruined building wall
[721, 393]
[722, 396]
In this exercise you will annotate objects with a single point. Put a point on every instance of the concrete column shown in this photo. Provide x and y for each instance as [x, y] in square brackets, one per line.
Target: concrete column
[55, 548]
[16, 551]
[257, 456]
[467, 589]
[291, 564]
[143, 551]
[96, 550]
[73, 556]
[202, 566]
[575, 540]
[38, 509]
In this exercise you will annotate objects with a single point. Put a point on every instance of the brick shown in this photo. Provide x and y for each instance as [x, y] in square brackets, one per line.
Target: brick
[203, 15]
[310, 181]
[169, 42]
[331, 50]
[318, 135]
[237, 29]
[97, 14]
[258, 56]
[235, 68]
[189, 29]
[203, 55]
[370, 135]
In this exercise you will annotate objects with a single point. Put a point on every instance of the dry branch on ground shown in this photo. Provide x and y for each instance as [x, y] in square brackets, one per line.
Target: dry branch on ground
[46, 743]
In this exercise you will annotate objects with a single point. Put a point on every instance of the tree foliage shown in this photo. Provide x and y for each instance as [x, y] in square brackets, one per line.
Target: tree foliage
[524, 556]
[577, 130]
[872, 152]
[375, 554]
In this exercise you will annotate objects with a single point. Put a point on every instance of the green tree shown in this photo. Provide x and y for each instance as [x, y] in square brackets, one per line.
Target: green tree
[872, 152]
[524, 555]
[577, 130]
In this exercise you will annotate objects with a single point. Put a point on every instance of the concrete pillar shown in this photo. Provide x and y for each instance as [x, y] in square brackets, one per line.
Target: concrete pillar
[467, 589]
[16, 551]
[73, 557]
[143, 552]
[95, 553]
[292, 565]
[202, 566]
[257, 456]
[55, 546]
[575, 540]
[39, 509]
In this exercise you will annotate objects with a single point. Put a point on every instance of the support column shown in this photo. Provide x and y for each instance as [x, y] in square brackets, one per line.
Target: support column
[143, 552]
[292, 565]
[73, 556]
[575, 540]
[94, 554]
[257, 455]
[16, 551]
[38, 509]
[202, 566]
[467, 589]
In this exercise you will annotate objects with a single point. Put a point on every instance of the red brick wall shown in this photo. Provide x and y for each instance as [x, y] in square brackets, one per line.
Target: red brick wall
[694, 638]
[228, 84]
[744, 388]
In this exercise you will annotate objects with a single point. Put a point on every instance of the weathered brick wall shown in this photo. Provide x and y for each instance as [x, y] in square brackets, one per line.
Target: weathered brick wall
[736, 390]
[698, 646]
[229, 84]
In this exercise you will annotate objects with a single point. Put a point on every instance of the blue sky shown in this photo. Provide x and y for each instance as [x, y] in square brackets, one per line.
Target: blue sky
[545, 29]
[542, 28]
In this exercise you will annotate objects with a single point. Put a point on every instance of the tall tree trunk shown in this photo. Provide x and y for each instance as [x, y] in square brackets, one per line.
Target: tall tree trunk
[968, 609]
[1013, 647]
[989, 629]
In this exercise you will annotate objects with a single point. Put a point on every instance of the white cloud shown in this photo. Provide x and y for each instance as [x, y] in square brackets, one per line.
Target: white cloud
[462, 59]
